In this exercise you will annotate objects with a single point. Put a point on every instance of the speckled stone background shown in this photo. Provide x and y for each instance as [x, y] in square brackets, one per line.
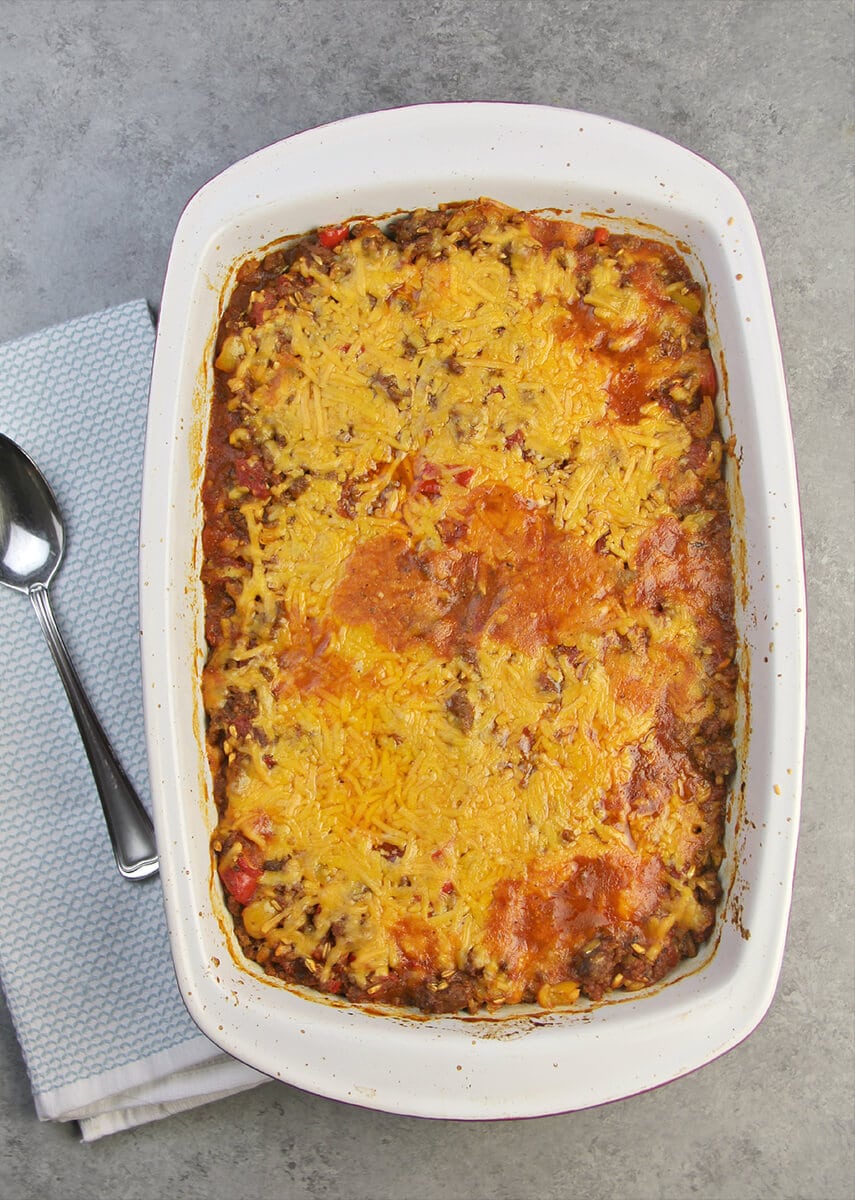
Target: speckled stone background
[112, 114]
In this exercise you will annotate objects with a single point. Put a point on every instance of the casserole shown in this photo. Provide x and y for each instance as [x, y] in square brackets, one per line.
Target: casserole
[470, 682]
[450, 1065]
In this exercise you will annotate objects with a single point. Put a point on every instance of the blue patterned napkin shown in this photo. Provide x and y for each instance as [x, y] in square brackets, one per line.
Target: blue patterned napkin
[84, 955]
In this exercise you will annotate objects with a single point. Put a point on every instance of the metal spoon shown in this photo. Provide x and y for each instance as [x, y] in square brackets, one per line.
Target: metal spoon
[32, 541]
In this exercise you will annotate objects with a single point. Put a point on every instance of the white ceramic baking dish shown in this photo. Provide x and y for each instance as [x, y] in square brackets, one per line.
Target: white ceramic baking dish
[528, 1063]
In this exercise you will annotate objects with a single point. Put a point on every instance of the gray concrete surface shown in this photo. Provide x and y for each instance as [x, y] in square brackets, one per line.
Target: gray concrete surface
[112, 114]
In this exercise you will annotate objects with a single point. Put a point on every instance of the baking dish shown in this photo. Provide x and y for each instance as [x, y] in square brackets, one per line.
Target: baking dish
[529, 1062]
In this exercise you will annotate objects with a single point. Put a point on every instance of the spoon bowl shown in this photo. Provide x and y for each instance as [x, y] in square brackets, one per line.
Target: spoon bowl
[32, 535]
[32, 544]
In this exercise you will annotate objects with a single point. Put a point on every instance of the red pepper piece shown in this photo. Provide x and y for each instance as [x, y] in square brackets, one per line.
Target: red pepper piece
[427, 478]
[332, 235]
[464, 478]
[601, 235]
[241, 879]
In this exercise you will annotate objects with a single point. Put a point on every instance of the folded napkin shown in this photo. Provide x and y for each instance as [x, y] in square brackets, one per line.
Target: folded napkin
[84, 955]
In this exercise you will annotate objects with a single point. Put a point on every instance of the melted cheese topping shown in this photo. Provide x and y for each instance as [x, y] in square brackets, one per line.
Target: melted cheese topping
[468, 606]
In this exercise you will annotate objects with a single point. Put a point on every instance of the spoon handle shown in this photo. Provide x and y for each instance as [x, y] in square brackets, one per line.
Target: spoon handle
[128, 824]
